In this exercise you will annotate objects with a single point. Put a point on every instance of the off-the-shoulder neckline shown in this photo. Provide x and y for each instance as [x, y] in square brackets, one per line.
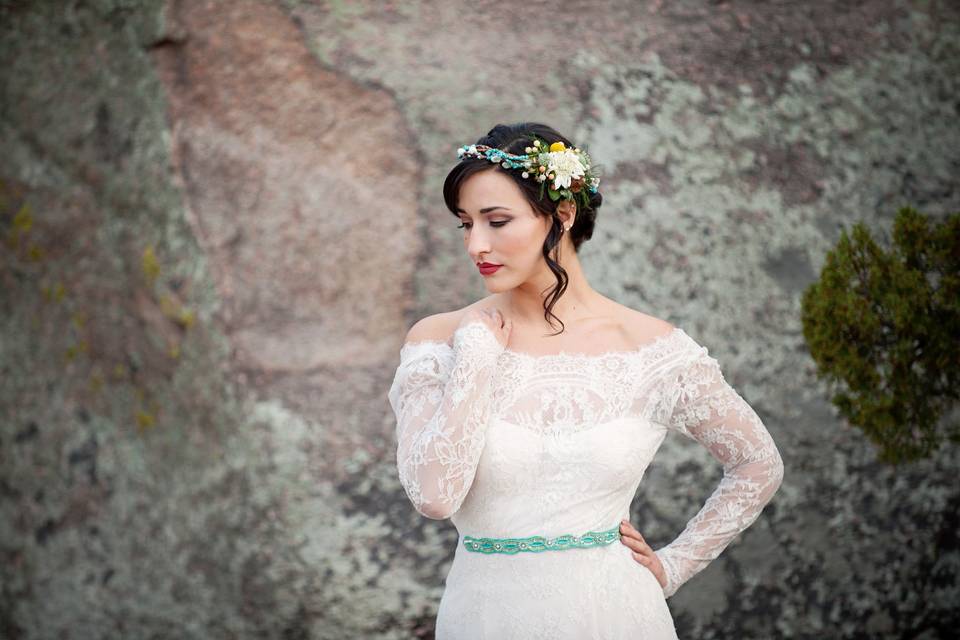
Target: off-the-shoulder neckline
[523, 355]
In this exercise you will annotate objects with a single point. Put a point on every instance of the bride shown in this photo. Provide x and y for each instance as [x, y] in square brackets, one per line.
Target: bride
[530, 416]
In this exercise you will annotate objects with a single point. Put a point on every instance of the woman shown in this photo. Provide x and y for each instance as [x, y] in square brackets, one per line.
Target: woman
[533, 439]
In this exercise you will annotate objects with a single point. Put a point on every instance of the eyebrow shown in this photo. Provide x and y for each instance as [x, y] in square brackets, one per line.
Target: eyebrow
[486, 209]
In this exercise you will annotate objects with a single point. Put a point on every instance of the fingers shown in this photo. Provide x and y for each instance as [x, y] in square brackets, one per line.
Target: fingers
[495, 320]
[640, 546]
[633, 539]
[496, 316]
[641, 551]
[487, 316]
[493, 314]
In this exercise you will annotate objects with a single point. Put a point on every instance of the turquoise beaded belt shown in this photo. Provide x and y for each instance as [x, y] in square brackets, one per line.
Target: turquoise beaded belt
[540, 543]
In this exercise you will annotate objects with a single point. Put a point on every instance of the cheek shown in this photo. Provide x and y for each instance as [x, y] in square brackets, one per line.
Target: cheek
[523, 239]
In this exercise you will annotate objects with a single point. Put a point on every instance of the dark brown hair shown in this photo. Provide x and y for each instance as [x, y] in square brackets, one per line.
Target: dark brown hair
[514, 138]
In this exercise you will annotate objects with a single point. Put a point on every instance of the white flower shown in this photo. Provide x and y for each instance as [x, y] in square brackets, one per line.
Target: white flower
[565, 165]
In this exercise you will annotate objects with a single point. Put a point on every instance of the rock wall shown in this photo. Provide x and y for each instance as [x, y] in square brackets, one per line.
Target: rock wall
[219, 218]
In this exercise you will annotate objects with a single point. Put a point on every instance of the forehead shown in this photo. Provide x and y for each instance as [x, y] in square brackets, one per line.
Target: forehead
[489, 188]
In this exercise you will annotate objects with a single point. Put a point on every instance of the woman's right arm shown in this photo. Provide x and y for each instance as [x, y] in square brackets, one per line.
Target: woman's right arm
[441, 398]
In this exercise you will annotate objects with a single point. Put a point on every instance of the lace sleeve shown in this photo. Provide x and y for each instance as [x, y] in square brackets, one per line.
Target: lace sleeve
[442, 404]
[710, 411]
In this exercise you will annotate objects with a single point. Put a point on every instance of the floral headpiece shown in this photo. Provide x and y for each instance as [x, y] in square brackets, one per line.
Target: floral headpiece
[563, 173]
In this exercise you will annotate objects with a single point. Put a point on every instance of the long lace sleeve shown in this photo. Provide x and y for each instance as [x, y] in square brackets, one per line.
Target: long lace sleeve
[710, 411]
[441, 398]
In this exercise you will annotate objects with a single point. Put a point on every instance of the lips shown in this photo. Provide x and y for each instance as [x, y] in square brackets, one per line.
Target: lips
[486, 268]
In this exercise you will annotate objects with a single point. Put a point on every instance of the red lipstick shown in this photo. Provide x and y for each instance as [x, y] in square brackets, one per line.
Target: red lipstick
[486, 268]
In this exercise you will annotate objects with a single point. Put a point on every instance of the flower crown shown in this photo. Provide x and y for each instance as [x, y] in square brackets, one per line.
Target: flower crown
[569, 171]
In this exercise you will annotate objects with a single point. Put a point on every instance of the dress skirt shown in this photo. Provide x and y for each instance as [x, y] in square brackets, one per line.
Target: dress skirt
[575, 594]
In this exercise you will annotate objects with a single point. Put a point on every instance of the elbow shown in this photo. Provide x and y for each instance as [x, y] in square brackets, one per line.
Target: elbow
[439, 509]
[776, 473]
[427, 502]
[432, 506]
[429, 496]
[427, 506]
[435, 511]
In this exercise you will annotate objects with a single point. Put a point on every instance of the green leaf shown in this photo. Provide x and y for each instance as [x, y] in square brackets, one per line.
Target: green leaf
[878, 326]
[554, 195]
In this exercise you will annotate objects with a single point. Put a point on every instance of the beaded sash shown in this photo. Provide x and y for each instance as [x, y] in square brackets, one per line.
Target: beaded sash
[540, 543]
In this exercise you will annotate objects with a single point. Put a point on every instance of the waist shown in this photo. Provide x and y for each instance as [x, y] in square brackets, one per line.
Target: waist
[537, 544]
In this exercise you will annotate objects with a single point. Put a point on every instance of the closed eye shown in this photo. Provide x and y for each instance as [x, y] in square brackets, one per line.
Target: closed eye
[467, 225]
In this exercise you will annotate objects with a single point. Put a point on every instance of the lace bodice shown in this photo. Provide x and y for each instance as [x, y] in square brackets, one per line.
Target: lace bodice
[559, 415]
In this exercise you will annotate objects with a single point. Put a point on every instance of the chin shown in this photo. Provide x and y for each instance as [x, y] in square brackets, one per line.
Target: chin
[494, 286]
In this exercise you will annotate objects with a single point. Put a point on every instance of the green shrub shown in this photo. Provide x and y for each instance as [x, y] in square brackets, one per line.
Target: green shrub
[883, 327]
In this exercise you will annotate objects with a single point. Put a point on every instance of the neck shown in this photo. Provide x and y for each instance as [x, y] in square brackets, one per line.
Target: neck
[525, 303]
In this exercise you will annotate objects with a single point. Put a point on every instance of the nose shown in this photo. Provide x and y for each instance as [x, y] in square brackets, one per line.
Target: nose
[478, 243]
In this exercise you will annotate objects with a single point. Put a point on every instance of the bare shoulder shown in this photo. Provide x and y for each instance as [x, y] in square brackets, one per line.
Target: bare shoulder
[439, 327]
[640, 327]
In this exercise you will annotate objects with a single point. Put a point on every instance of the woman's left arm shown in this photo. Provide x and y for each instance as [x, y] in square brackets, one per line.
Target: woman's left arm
[707, 409]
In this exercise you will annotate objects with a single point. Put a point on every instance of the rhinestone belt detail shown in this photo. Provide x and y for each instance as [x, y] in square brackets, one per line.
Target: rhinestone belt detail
[541, 543]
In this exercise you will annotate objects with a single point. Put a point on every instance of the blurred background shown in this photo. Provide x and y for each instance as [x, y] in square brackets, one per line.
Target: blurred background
[220, 218]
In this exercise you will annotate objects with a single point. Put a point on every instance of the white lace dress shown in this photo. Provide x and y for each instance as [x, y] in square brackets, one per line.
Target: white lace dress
[510, 446]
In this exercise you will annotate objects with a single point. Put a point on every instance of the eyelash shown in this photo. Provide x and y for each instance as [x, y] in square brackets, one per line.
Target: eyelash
[499, 223]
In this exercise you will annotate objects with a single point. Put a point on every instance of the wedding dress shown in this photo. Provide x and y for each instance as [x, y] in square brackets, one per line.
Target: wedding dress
[542, 455]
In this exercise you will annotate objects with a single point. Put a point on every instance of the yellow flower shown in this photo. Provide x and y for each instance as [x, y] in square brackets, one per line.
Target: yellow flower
[145, 419]
[557, 146]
